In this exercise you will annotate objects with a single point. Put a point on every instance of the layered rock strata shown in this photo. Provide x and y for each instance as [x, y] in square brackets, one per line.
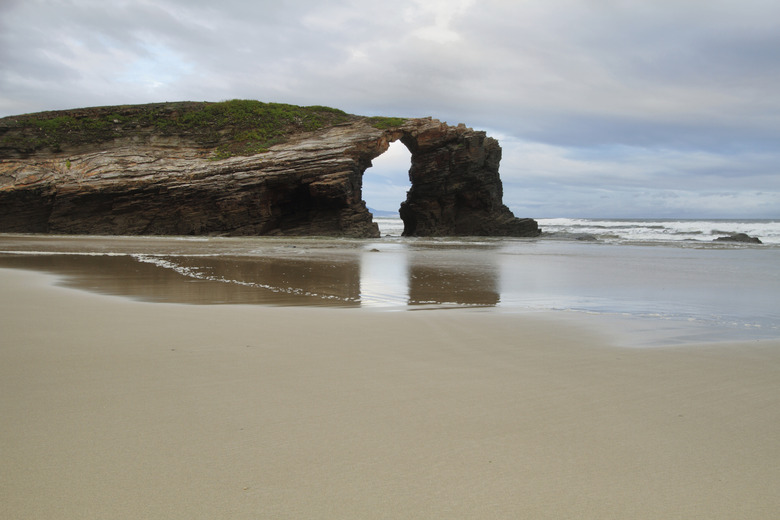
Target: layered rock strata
[311, 184]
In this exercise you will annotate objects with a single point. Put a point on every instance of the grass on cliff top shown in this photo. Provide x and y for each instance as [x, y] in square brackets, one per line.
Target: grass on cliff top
[385, 123]
[236, 127]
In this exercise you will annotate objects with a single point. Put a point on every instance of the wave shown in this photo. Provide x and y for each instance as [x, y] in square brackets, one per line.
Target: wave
[661, 230]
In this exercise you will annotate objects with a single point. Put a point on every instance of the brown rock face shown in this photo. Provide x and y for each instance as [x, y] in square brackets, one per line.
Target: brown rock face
[309, 185]
[456, 189]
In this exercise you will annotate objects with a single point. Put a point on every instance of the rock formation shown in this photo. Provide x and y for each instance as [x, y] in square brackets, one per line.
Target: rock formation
[117, 170]
[739, 237]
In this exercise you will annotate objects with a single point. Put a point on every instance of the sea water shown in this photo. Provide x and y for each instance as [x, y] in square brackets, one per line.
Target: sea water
[660, 230]
[695, 231]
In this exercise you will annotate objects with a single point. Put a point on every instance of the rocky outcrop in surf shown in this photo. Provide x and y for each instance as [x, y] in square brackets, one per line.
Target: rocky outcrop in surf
[739, 237]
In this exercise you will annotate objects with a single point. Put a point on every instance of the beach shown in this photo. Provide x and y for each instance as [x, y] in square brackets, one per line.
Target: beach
[120, 406]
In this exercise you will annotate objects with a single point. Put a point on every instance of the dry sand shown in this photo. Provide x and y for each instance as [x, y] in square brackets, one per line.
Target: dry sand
[119, 409]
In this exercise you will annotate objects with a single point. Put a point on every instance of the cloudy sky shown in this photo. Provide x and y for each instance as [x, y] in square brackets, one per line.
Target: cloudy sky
[603, 108]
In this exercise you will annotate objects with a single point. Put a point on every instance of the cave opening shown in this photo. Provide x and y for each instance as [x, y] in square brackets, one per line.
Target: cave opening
[385, 185]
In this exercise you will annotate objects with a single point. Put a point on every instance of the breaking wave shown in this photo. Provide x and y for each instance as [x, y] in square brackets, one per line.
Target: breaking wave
[659, 230]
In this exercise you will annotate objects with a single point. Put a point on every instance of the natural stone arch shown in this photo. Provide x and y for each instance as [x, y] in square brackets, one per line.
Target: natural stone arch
[455, 189]
[385, 185]
[142, 182]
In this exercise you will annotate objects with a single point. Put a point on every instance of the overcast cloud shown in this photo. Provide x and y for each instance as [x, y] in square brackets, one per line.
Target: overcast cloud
[604, 108]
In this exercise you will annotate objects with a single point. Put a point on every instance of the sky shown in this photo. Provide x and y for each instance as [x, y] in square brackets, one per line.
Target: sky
[603, 108]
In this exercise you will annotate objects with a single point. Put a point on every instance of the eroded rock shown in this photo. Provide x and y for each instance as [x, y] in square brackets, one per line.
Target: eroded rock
[144, 182]
[739, 237]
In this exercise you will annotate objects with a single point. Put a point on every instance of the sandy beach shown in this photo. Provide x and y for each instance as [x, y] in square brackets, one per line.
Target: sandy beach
[115, 408]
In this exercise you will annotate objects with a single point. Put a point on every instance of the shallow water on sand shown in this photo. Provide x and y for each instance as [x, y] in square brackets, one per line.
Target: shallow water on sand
[712, 292]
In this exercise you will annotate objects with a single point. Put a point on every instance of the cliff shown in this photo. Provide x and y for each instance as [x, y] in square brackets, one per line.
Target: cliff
[240, 168]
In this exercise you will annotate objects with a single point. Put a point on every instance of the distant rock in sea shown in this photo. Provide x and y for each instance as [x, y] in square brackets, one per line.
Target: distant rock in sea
[739, 237]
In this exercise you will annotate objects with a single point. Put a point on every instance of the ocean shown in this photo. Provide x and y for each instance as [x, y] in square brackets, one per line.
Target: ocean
[691, 232]
[668, 279]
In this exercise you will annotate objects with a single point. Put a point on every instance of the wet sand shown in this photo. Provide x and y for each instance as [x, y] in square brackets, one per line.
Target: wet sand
[115, 408]
[670, 294]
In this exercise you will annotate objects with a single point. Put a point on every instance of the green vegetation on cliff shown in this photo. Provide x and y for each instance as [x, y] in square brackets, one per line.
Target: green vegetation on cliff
[236, 127]
[385, 123]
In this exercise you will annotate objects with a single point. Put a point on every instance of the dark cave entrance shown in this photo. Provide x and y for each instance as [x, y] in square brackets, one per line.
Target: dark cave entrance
[385, 185]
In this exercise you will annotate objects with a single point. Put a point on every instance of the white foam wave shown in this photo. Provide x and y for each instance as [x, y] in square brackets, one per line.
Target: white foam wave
[389, 226]
[637, 230]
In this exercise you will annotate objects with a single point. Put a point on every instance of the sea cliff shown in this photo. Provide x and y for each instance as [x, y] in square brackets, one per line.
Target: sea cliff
[240, 168]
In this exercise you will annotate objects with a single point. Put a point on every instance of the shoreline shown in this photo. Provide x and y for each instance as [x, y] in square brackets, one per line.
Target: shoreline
[120, 408]
[651, 295]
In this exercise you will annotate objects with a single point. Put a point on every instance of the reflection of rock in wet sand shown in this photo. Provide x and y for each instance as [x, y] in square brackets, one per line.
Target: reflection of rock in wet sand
[205, 280]
[459, 285]
[249, 271]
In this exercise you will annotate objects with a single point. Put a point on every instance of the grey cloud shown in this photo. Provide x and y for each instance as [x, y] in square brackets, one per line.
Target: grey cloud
[583, 78]
[664, 72]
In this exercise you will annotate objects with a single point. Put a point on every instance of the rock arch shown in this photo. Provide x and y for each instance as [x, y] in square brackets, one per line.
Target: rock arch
[309, 185]
[456, 189]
